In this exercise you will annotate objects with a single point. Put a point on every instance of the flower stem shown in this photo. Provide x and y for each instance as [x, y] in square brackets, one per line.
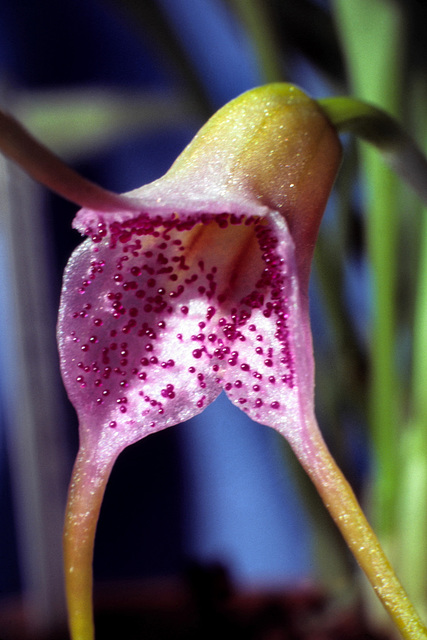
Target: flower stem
[384, 132]
[45, 167]
[87, 488]
[345, 510]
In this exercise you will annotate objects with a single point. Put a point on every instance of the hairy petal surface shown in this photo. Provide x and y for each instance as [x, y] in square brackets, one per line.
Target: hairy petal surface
[159, 315]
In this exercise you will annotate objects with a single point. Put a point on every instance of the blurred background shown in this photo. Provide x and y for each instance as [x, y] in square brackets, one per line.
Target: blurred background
[117, 89]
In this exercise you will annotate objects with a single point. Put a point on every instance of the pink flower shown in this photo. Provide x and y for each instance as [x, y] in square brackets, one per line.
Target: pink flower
[204, 287]
[197, 285]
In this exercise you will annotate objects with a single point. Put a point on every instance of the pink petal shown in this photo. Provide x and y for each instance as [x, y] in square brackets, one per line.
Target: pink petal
[274, 377]
[161, 315]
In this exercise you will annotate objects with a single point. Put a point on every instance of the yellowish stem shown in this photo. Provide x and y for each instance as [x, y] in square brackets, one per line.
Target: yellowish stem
[83, 506]
[344, 508]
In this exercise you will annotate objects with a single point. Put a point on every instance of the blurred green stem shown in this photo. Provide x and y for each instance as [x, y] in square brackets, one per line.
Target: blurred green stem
[371, 38]
[255, 17]
[412, 508]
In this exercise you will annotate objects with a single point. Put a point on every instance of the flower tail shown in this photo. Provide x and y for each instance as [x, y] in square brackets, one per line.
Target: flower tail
[86, 492]
[345, 510]
[45, 167]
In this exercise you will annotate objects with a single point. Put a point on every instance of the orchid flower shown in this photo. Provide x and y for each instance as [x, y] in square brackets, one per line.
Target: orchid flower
[201, 288]
[195, 284]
